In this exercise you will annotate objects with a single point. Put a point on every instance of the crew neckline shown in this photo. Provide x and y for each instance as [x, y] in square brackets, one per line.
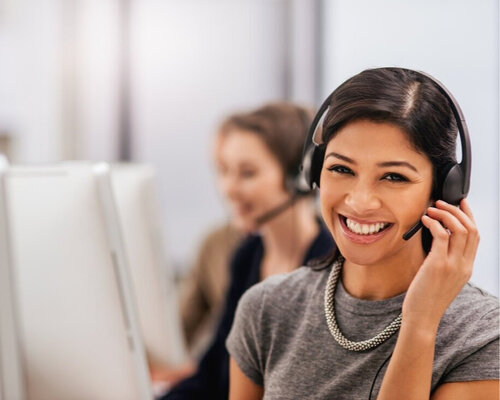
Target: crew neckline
[347, 302]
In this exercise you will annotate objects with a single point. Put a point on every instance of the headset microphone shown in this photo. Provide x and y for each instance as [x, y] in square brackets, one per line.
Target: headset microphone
[414, 229]
[298, 187]
[274, 212]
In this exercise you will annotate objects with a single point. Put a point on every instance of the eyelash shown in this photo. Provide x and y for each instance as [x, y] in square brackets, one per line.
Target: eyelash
[396, 177]
[340, 169]
[390, 177]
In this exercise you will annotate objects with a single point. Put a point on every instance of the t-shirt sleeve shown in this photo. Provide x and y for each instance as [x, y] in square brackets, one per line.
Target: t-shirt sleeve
[244, 343]
[479, 354]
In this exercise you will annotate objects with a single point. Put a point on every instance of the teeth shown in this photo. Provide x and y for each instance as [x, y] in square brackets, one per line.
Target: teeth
[365, 229]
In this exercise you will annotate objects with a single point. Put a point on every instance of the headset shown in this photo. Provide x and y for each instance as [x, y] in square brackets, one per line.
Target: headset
[295, 183]
[453, 188]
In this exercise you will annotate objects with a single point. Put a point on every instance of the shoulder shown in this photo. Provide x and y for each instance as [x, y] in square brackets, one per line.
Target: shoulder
[471, 321]
[467, 340]
[224, 235]
[473, 304]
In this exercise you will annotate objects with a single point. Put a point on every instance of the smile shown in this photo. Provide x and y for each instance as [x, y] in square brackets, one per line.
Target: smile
[365, 229]
[363, 233]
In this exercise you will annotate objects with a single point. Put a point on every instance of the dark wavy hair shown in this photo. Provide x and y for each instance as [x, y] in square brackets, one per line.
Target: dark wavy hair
[404, 98]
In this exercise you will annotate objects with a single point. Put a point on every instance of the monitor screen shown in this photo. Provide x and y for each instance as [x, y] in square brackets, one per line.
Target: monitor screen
[134, 187]
[77, 330]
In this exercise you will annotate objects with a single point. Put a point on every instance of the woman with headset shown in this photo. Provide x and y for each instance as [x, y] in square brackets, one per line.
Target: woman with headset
[259, 156]
[390, 314]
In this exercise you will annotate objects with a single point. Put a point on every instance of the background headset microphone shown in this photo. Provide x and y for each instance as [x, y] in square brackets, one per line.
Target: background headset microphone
[452, 188]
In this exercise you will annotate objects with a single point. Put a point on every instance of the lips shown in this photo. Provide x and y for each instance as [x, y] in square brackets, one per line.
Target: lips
[363, 232]
[241, 209]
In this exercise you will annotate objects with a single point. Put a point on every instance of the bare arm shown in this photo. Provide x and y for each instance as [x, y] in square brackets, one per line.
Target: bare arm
[240, 386]
[484, 390]
[445, 270]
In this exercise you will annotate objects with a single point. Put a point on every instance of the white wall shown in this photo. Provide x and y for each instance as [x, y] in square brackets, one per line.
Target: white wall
[59, 79]
[30, 84]
[457, 42]
[96, 82]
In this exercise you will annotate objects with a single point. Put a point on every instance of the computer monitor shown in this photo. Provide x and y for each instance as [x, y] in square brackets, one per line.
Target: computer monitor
[11, 375]
[134, 187]
[77, 328]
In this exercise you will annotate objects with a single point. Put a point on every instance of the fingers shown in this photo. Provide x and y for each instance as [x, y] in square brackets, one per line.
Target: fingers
[474, 233]
[439, 234]
[463, 237]
[464, 206]
[456, 232]
[464, 215]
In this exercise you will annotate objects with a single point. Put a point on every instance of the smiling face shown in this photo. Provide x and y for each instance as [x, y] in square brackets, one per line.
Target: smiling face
[374, 187]
[250, 176]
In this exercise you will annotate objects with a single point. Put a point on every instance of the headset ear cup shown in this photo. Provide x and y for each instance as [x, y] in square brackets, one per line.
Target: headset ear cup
[452, 185]
[305, 168]
[316, 164]
[290, 184]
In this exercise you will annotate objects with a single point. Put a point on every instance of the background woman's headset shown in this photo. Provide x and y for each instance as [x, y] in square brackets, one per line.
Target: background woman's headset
[456, 183]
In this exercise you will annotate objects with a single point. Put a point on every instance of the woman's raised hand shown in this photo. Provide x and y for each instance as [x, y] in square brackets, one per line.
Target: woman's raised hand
[447, 267]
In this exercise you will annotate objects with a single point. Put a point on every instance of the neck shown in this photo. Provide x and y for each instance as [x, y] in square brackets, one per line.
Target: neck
[287, 237]
[384, 279]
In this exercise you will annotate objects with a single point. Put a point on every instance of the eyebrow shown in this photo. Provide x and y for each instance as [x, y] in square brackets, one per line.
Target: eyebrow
[381, 164]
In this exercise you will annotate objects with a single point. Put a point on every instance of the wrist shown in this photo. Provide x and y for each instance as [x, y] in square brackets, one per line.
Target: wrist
[420, 329]
[426, 319]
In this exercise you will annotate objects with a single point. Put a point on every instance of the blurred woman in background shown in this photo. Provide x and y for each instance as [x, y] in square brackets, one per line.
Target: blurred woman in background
[259, 163]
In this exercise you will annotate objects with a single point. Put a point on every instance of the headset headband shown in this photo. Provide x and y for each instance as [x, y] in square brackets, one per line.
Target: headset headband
[463, 131]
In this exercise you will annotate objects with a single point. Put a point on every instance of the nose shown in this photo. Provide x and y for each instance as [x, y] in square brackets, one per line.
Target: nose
[362, 198]
[229, 185]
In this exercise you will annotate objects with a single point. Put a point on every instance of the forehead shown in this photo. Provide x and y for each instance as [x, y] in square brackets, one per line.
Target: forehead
[243, 146]
[367, 139]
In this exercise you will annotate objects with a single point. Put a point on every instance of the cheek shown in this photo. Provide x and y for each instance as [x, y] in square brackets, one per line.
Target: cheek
[266, 188]
[272, 180]
[329, 198]
[223, 185]
[329, 190]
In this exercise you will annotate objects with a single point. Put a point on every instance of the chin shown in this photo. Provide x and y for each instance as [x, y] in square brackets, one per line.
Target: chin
[244, 224]
[363, 254]
[360, 257]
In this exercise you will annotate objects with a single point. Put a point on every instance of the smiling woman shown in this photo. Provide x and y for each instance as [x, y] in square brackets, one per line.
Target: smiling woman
[389, 314]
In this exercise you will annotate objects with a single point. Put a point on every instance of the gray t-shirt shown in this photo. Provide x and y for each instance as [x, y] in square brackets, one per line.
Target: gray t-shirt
[281, 341]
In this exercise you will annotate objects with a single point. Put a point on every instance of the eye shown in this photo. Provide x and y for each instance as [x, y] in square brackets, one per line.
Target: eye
[340, 169]
[393, 177]
[248, 173]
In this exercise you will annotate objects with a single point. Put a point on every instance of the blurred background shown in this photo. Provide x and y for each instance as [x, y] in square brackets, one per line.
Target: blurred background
[149, 80]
